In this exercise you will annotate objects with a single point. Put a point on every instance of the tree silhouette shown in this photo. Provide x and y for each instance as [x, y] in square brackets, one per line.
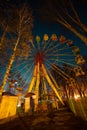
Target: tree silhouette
[21, 23]
[63, 12]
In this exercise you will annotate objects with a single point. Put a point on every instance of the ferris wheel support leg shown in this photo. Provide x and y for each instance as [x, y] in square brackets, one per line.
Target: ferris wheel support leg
[51, 84]
[54, 80]
[32, 81]
[45, 89]
[37, 88]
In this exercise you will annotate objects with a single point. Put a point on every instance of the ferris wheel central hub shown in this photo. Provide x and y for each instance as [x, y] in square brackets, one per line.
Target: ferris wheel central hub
[39, 57]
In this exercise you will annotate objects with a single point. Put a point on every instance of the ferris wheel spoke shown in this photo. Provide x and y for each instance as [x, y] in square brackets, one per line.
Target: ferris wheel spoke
[53, 79]
[2, 72]
[38, 45]
[16, 65]
[20, 70]
[67, 60]
[45, 43]
[27, 72]
[56, 70]
[49, 44]
[58, 50]
[62, 75]
[51, 49]
[57, 58]
[60, 70]
[64, 54]
[31, 52]
[64, 48]
[58, 45]
[62, 61]
[46, 46]
[33, 46]
[27, 81]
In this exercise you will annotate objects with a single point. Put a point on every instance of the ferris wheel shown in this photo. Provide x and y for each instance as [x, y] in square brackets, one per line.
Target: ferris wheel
[34, 71]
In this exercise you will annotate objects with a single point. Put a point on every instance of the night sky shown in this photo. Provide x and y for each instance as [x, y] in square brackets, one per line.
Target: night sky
[41, 27]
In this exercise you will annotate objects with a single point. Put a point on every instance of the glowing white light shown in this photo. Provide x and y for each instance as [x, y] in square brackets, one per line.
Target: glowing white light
[77, 96]
[34, 96]
[19, 104]
[16, 82]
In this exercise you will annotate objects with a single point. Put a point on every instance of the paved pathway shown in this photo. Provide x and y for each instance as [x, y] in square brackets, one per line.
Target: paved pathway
[57, 120]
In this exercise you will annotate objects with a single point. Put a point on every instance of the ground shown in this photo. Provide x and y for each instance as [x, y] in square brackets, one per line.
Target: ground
[53, 120]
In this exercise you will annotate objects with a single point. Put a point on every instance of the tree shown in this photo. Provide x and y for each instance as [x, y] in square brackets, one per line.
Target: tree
[3, 24]
[21, 23]
[63, 12]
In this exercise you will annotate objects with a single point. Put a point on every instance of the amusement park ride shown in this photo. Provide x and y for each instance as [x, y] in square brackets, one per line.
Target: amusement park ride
[42, 55]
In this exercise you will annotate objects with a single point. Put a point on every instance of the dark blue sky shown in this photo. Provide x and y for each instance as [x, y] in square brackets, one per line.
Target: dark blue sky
[42, 27]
